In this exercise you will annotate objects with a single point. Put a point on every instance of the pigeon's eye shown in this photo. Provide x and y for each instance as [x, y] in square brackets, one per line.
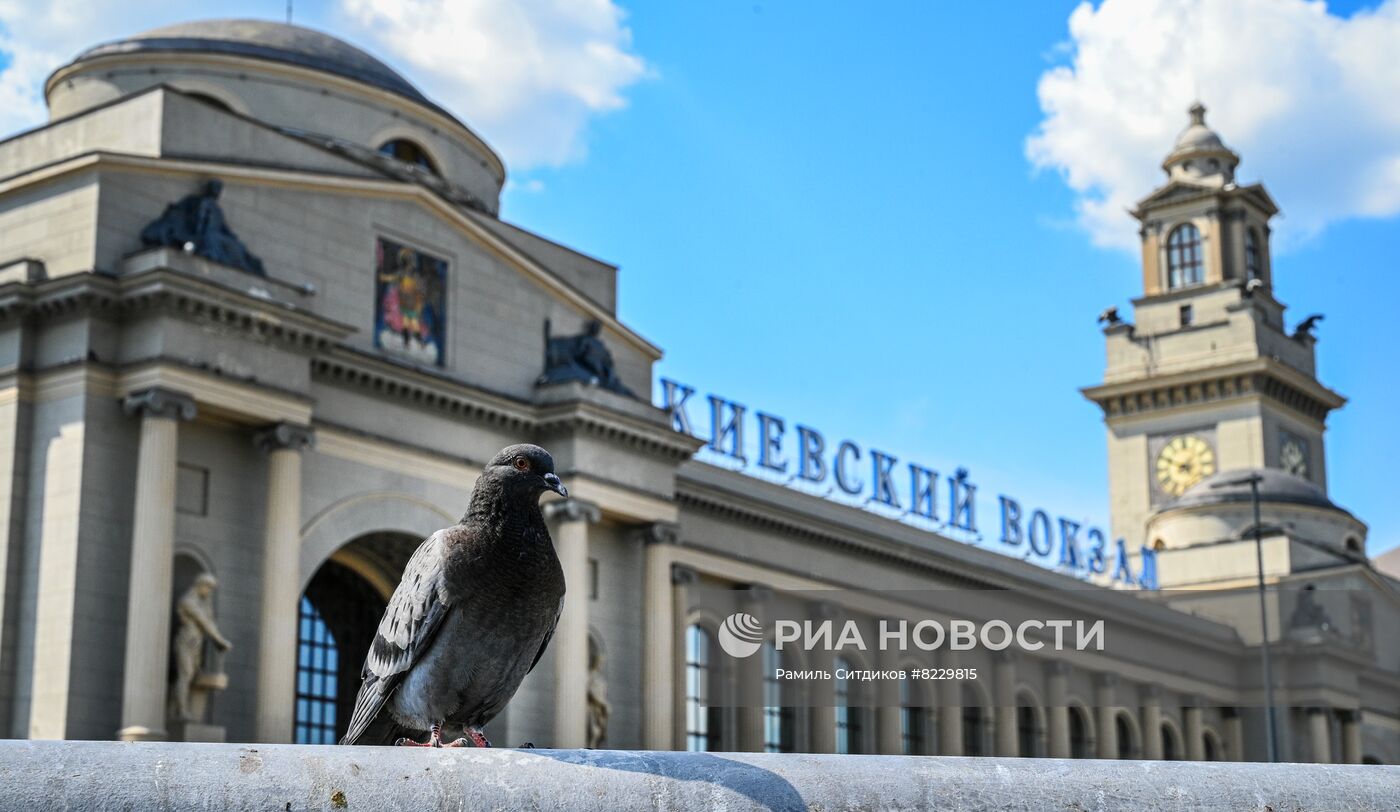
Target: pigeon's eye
[522, 464]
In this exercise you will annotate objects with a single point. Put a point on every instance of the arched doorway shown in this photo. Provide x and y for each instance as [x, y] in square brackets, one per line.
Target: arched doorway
[339, 612]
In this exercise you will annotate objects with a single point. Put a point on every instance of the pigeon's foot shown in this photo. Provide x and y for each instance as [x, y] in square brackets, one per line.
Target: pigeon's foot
[526, 746]
[434, 739]
[478, 738]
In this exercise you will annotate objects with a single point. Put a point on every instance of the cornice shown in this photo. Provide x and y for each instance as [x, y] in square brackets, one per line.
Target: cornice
[170, 291]
[1260, 377]
[614, 427]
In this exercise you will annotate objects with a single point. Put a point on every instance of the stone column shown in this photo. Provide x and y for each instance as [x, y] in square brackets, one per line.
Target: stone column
[1195, 733]
[281, 580]
[750, 675]
[824, 691]
[1106, 708]
[1320, 734]
[682, 577]
[1004, 697]
[571, 518]
[149, 599]
[659, 645]
[950, 728]
[1351, 737]
[1057, 691]
[1234, 734]
[889, 710]
[1152, 723]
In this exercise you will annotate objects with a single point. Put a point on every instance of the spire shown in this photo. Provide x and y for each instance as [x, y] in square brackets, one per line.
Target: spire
[1199, 156]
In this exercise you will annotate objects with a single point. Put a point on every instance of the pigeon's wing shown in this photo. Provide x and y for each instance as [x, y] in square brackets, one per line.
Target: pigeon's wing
[549, 635]
[410, 622]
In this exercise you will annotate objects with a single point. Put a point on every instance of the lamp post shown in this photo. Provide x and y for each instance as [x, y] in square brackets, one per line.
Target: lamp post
[1253, 481]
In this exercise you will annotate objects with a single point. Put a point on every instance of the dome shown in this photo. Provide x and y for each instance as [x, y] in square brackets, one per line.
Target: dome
[265, 39]
[1199, 154]
[1275, 486]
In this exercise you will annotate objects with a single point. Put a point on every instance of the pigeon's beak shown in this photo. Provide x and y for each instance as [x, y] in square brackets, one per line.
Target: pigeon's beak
[555, 485]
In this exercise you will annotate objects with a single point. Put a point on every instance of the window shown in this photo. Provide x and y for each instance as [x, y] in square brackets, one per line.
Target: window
[1186, 315]
[1079, 744]
[402, 149]
[912, 728]
[1027, 731]
[848, 718]
[1184, 257]
[1170, 750]
[778, 736]
[317, 661]
[210, 100]
[701, 732]
[1253, 260]
[1126, 746]
[973, 721]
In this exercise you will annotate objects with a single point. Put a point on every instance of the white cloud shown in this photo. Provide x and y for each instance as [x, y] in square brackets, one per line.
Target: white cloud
[1309, 100]
[529, 74]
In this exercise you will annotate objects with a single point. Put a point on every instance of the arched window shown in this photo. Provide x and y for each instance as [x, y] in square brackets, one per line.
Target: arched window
[1253, 258]
[848, 715]
[701, 722]
[1080, 746]
[778, 724]
[1213, 750]
[974, 723]
[1171, 749]
[1027, 728]
[1184, 257]
[317, 666]
[1127, 748]
[912, 728]
[210, 100]
[402, 149]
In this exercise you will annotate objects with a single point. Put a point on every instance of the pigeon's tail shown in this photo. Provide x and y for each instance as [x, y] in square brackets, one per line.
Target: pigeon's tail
[368, 703]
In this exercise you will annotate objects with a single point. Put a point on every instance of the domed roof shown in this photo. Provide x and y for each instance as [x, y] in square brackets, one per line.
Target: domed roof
[1199, 154]
[265, 39]
[1275, 486]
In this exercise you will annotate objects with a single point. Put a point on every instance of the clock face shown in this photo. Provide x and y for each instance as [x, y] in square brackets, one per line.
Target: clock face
[1184, 461]
[1293, 456]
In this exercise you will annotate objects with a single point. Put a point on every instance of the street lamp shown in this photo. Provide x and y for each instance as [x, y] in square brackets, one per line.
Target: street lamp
[1253, 481]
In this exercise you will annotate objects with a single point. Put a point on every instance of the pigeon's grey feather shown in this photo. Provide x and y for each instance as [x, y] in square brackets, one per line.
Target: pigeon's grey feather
[477, 606]
[410, 622]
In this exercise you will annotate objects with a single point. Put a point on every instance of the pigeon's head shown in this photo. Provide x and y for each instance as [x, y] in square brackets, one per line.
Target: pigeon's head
[525, 469]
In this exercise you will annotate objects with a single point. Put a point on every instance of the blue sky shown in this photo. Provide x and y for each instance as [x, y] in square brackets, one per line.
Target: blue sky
[834, 216]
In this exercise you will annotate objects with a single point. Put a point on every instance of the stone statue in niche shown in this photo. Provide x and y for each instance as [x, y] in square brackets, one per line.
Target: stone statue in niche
[196, 677]
[1309, 617]
[598, 707]
[583, 358]
[196, 225]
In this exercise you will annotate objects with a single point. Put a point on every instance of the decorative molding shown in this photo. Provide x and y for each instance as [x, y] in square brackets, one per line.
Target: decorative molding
[660, 533]
[681, 575]
[159, 402]
[1256, 379]
[571, 510]
[285, 437]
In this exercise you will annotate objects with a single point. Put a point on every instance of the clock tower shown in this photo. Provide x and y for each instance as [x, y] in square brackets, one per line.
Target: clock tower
[1210, 376]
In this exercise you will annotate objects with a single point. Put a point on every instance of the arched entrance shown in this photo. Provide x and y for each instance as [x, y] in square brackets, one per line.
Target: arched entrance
[339, 612]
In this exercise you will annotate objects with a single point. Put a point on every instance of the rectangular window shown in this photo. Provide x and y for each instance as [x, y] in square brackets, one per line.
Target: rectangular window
[1186, 315]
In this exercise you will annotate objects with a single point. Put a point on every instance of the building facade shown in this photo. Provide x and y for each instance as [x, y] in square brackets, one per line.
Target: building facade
[263, 323]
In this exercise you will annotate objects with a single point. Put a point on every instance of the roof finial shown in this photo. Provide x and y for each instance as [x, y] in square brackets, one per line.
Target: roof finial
[1198, 114]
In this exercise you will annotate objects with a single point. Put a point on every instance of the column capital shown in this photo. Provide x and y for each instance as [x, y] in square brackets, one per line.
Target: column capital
[1105, 680]
[756, 594]
[571, 510]
[1151, 694]
[1349, 715]
[1057, 668]
[681, 575]
[1230, 712]
[1315, 709]
[659, 533]
[160, 402]
[289, 436]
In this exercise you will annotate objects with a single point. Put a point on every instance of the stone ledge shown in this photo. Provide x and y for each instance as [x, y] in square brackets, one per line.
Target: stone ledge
[165, 776]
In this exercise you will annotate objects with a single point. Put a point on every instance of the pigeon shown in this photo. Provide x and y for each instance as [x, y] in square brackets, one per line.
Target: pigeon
[472, 616]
